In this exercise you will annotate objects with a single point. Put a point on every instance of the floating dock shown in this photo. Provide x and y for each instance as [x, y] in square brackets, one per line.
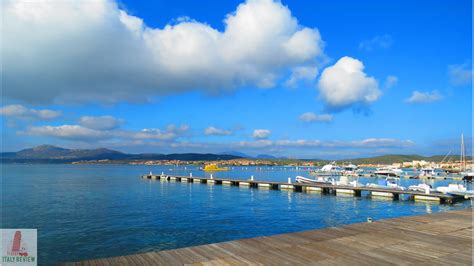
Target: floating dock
[443, 238]
[322, 188]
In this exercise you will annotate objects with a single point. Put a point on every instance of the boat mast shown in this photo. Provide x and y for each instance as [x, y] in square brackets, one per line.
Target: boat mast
[462, 153]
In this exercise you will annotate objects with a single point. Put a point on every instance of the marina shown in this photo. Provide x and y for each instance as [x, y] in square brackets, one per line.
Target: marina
[432, 239]
[320, 187]
[117, 213]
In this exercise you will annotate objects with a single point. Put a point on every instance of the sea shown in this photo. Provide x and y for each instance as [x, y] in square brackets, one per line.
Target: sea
[93, 211]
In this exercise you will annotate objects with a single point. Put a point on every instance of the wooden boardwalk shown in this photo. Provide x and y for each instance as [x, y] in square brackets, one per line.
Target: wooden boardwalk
[444, 238]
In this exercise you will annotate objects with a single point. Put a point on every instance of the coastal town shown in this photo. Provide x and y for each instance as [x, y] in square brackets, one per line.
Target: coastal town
[447, 165]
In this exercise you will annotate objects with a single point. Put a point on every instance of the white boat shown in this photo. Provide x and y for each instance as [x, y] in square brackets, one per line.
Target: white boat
[388, 183]
[429, 172]
[350, 170]
[319, 180]
[344, 181]
[452, 189]
[330, 169]
[388, 171]
[421, 188]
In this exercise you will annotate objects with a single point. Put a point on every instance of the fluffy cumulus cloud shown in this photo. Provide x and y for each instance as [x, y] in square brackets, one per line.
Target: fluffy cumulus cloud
[377, 42]
[312, 117]
[100, 122]
[424, 97]
[261, 133]
[94, 51]
[301, 74]
[217, 131]
[17, 111]
[345, 84]
[460, 75]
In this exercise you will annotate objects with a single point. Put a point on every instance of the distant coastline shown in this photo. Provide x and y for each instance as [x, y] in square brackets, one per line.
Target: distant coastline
[47, 154]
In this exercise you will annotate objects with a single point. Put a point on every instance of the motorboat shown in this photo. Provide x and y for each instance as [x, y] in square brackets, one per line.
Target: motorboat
[388, 171]
[421, 188]
[429, 173]
[452, 189]
[319, 180]
[344, 181]
[387, 183]
[330, 169]
[350, 170]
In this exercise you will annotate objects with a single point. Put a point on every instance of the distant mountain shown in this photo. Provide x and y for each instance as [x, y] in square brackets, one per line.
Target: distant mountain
[243, 155]
[53, 152]
[48, 153]
[236, 153]
[265, 156]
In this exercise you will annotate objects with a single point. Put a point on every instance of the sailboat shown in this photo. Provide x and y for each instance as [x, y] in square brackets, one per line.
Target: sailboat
[467, 174]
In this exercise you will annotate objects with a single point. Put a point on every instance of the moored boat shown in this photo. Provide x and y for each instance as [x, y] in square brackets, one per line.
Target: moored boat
[388, 171]
[319, 180]
[452, 189]
[388, 183]
[421, 188]
[213, 168]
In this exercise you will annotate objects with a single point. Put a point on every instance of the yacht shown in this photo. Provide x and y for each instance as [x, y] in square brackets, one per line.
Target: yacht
[350, 170]
[428, 173]
[330, 169]
[388, 171]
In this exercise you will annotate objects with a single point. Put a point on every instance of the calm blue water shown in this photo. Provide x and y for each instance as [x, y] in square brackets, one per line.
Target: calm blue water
[92, 211]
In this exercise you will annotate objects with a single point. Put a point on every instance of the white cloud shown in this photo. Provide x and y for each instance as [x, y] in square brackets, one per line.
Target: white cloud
[100, 122]
[424, 97]
[217, 131]
[460, 75]
[312, 117]
[79, 132]
[300, 74]
[21, 112]
[303, 143]
[381, 41]
[72, 132]
[345, 84]
[261, 133]
[170, 133]
[390, 81]
[92, 51]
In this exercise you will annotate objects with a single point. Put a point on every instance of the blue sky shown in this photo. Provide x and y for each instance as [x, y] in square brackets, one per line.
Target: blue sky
[306, 79]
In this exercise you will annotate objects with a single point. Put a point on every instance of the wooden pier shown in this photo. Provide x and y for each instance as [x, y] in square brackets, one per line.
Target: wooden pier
[444, 238]
[322, 188]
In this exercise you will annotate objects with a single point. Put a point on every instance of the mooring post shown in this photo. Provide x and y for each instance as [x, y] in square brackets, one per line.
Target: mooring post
[190, 174]
[212, 177]
[251, 177]
[289, 180]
